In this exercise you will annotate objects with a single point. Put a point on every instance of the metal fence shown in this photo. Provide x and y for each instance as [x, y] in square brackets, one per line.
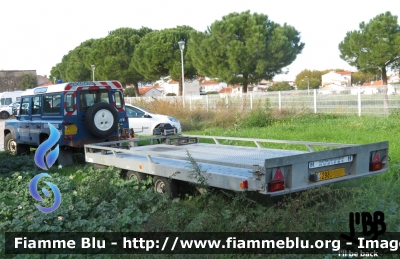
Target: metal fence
[353, 100]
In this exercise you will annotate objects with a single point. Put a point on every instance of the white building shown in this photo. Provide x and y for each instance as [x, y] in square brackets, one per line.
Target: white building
[394, 79]
[192, 87]
[211, 86]
[149, 91]
[342, 79]
[231, 90]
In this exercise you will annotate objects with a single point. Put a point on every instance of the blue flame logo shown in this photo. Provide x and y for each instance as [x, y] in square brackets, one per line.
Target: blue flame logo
[51, 158]
[36, 195]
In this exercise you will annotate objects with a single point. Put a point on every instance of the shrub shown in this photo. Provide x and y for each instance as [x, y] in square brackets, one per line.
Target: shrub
[92, 200]
[258, 117]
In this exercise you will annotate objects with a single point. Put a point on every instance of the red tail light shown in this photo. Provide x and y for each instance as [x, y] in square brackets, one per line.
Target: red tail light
[376, 163]
[375, 166]
[275, 186]
[278, 183]
[244, 184]
[68, 138]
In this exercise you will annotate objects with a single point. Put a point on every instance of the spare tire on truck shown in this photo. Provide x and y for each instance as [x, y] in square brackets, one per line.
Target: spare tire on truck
[101, 120]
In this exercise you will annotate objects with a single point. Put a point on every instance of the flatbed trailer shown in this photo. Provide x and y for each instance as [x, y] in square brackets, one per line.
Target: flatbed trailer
[268, 171]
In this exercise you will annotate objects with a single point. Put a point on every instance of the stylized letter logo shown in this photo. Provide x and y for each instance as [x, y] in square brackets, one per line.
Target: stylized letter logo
[51, 157]
[36, 195]
[45, 146]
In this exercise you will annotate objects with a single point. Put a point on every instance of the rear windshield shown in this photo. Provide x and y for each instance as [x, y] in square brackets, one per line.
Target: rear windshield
[90, 97]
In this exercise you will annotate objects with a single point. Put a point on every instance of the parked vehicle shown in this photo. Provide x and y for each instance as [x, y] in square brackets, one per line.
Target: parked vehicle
[83, 113]
[147, 123]
[7, 111]
[7, 98]
[227, 165]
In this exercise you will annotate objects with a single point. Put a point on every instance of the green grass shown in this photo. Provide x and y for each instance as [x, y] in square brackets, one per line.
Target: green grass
[321, 128]
[322, 209]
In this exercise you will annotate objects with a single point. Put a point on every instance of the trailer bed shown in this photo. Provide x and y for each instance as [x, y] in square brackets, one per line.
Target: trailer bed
[219, 154]
[232, 166]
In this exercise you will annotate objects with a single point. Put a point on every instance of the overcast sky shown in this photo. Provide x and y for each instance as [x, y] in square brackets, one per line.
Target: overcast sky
[36, 34]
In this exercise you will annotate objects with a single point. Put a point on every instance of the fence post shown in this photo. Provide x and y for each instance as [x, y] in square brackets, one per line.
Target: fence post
[251, 101]
[190, 102]
[359, 101]
[279, 100]
[315, 100]
[207, 101]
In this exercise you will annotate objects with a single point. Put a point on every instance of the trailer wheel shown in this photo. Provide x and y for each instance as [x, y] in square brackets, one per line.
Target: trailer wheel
[133, 174]
[165, 186]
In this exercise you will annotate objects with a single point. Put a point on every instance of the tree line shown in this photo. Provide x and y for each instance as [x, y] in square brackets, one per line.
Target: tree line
[241, 48]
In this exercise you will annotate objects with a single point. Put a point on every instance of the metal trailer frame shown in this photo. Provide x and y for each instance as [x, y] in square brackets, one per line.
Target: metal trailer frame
[227, 166]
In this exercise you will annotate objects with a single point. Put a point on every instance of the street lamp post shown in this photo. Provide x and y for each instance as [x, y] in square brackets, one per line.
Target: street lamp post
[181, 47]
[93, 68]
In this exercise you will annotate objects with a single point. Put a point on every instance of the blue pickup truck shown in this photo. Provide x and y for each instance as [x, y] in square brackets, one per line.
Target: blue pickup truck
[83, 113]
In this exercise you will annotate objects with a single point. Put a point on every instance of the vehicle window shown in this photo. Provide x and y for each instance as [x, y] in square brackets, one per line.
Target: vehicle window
[90, 97]
[144, 110]
[24, 109]
[6, 101]
[118, 99]
[69, 99]
[35, 104]
[133, 112]
[52, 104]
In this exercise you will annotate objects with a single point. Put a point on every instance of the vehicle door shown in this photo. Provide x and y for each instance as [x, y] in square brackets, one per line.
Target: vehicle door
[87, 98]
[137, 120]
[24, 118]
[51, 113]
[35, 124]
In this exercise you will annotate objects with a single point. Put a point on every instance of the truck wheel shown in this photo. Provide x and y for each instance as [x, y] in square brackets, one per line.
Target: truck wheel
[16, 149]
[165, 186]
[4, 115]
[101, 120]
[132, 174]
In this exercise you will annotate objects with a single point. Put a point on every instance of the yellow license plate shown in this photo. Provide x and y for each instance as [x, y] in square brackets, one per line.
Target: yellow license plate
[71, 129]
[329, 174]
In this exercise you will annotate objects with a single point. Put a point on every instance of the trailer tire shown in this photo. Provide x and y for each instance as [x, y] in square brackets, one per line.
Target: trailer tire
[133, 174]
[165, 186]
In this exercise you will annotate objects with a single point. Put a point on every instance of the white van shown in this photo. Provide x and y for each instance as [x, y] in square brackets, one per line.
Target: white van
[7, 110]
[7, 98]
